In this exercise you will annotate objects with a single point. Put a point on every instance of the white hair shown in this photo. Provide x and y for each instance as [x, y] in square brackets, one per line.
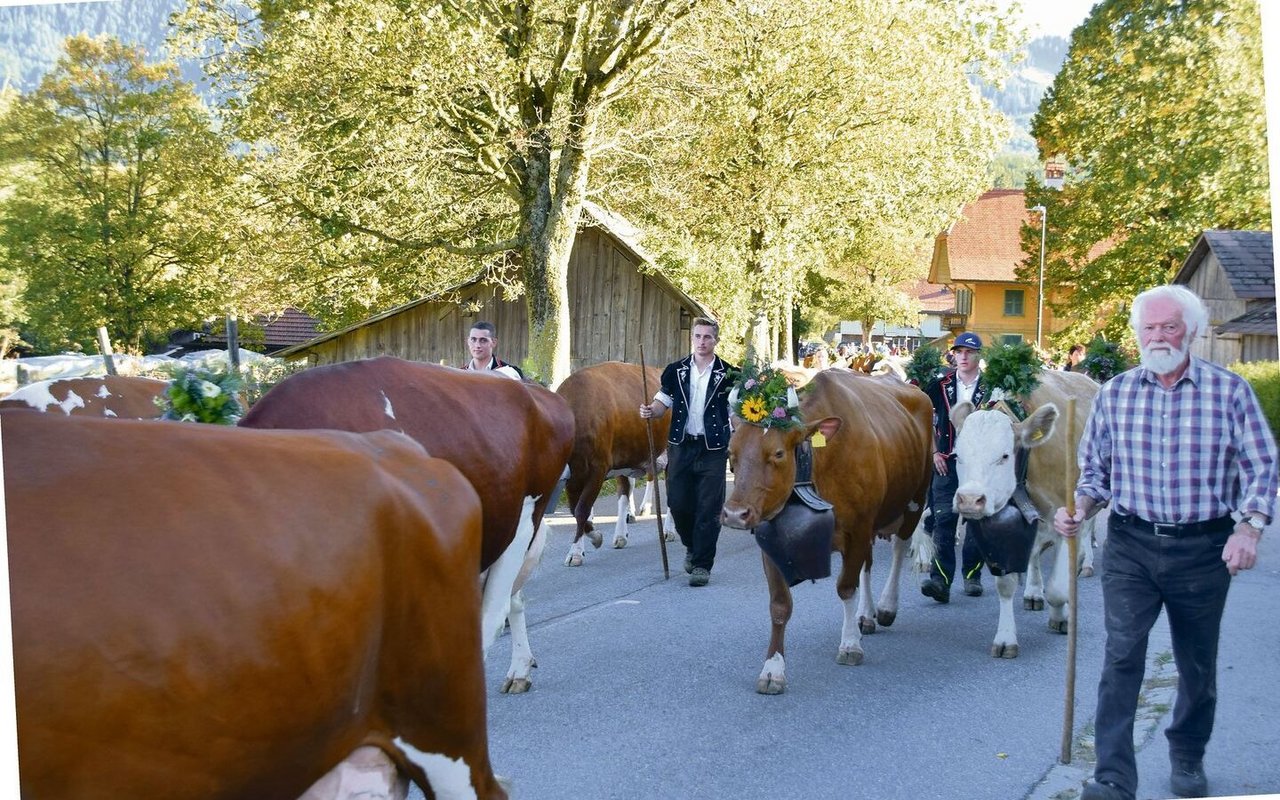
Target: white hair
[1194, 314]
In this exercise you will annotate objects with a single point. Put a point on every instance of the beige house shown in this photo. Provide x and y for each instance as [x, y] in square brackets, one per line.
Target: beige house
[618, 301]
[1234, 273]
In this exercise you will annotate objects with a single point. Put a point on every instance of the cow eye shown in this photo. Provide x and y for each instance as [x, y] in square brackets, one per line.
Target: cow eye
[778, 455]
[1004, 457]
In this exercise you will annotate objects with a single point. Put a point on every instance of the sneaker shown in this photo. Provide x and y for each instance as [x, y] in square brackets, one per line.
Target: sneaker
[1187, 778]
[935, 588]
[973, 587]
[688, 563]
[699, 577]
[1104, 790]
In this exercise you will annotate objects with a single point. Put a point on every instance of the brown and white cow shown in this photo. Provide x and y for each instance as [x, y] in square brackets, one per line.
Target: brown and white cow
[209, 612]
[123, 396]
[510, 438]
[610, 440]
[987, 444]
[873, 468]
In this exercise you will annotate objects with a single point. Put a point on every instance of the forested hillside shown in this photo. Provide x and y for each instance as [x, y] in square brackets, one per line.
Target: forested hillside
[31, 35]
[1023, 89]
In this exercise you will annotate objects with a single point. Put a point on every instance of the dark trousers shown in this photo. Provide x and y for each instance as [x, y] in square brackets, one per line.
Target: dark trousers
[695, 495]
[1142, 572]
[942, 492]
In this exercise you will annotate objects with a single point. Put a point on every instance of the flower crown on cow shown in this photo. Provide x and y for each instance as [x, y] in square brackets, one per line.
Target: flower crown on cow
[766, 398]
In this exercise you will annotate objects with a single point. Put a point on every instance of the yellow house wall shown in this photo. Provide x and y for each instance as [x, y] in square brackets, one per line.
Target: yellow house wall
[988, 319]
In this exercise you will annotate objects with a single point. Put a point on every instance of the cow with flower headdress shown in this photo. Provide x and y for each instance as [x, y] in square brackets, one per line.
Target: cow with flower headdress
[861, 444]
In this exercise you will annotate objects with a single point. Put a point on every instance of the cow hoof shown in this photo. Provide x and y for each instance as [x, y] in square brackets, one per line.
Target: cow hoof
[886, 618]
[596, 539]
[670, 536]
[631, 519]
[771, 685]
[867, 626]
[573, 561]
[1004, 651]
[516, 685]
[619, 542]
[1086, 572]
[849, 658]
[1033, 603]
[1058, 625]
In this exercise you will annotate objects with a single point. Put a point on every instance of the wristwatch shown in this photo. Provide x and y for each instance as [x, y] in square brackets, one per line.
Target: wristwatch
[1256, 522]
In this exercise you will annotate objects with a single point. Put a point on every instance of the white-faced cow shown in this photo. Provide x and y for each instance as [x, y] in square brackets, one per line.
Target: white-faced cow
[209, 612]
[123, 396]
[610, 440]
[873, 468]
[510, 438]
[989, 447]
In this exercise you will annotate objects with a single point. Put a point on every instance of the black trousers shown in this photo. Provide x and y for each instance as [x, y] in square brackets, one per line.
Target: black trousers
[695, 494]
[1141, 573]
[942, 492]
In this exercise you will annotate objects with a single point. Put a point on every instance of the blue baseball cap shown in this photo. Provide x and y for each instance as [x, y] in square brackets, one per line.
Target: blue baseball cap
[969, 340]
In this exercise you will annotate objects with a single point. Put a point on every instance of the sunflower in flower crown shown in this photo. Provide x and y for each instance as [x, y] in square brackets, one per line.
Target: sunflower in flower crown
[764, 397]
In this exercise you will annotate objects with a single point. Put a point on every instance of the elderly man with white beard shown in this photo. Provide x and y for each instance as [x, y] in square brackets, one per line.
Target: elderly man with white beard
[1180, 450]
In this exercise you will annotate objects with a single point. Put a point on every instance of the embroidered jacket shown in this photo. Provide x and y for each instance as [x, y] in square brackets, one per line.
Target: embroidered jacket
[501, 367]
[942, 393]
[675, 393]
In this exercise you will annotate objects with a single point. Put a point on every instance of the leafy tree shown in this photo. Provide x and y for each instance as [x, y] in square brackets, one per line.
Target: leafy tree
[11, 281]
[424, 140]
[108, 219]
[1159, 109]
[805, 155]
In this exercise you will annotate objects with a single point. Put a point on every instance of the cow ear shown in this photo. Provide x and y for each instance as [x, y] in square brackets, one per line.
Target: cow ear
[1036, 429]
[960, 413]
[827, 427]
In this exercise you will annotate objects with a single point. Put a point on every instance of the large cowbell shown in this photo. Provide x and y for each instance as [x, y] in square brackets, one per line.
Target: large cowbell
[1006, 537]
[798, 538]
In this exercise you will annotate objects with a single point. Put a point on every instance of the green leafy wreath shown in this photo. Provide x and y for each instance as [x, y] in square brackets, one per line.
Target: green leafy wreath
[200, 395]
[765, 397]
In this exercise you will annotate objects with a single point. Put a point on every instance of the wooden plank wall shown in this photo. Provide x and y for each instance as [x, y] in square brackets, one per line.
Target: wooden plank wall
[612, 309]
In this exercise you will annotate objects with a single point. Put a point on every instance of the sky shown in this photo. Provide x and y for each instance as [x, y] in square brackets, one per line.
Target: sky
[1051, 17]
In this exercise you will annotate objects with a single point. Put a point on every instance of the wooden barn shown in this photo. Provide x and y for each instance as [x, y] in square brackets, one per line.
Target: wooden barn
[617, 302]
[1234, 273]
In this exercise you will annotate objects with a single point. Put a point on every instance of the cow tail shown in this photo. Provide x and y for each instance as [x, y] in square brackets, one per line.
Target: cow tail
[922, 547]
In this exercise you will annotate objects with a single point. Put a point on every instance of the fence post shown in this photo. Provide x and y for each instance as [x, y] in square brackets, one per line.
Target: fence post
[104, 344]
[233, 343]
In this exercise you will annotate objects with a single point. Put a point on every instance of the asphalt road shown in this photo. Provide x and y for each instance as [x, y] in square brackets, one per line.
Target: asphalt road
[646, 688]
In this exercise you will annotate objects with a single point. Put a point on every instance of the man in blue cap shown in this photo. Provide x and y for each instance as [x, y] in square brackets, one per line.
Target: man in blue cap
[964, 383]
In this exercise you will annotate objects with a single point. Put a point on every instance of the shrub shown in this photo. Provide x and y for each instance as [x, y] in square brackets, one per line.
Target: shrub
[1264, 377]
[925, 365]
[198, 395]
[1104, 360]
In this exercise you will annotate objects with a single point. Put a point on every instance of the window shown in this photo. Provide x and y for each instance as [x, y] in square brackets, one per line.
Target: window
[1013, 302]
[1011, 338]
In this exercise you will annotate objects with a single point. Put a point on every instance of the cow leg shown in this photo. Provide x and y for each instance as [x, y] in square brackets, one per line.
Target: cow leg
[518, 679]
[1056, 592]
[866, 606]
[1087, 536]
[583, 491]
[773, 678]
[624, 509]
[888, 611]
[852, 566]
[646, 504]
[1006, 641]
[1033, 594]
[500, 578]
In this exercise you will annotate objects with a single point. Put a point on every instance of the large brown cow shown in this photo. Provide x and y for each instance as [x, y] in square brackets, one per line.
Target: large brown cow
[987, 449]
[874, 469]
[206, 612]
[123, 396]
[510, 438]
[610, 440]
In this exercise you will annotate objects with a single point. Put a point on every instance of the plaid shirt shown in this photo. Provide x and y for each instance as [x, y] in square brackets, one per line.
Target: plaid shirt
[1198, 451]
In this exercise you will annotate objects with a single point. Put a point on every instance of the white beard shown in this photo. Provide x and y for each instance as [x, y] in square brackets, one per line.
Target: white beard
[1163, 361]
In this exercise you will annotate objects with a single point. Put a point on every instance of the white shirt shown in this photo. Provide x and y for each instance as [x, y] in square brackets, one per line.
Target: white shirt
[964, 391]
[699, 380]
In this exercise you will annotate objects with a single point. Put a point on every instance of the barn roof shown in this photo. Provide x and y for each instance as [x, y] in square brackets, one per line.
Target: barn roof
[1246, 257]
[1258, 321]
[618, 228]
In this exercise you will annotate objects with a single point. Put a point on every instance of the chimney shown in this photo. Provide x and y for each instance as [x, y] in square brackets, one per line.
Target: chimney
[1055, 171]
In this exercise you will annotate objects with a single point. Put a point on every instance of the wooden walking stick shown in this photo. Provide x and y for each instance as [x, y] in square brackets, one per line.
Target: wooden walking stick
[653, 469]
[1073, 550]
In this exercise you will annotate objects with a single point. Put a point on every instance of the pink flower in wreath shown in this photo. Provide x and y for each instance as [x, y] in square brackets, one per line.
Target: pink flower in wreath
[780, 412]
[751, 382]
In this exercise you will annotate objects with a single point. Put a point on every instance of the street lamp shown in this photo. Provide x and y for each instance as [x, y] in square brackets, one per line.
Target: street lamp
[1044, 219]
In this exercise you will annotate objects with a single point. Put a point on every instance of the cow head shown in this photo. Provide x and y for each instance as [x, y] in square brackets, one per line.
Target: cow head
[763, 460]
[986, 445]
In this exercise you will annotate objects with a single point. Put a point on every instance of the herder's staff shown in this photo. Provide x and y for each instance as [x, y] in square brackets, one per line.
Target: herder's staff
[653, 468]
[1073, 550]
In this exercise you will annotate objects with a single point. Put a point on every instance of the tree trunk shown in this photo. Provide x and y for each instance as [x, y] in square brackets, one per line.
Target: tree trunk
[759, 338]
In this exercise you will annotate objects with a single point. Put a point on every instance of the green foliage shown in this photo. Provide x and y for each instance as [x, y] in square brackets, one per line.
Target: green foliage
[1159, 111]
[198, 395]
[108, 218]
[1264, 377]
[765, 398]
[925, 365]
[1103, 360]
[1014, 368]
[258, 377]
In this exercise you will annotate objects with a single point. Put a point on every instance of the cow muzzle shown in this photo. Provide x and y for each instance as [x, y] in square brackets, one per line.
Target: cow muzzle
[739, 516]
[972, 505]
